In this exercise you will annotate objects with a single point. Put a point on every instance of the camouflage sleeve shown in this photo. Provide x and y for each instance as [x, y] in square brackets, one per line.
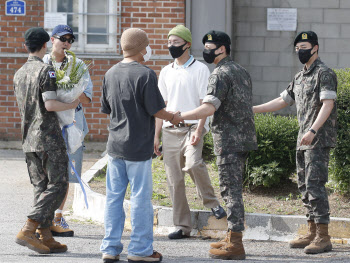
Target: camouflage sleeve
[218, 87]
[48, 85]
[288, 94]
[328, 86]
[105, 107]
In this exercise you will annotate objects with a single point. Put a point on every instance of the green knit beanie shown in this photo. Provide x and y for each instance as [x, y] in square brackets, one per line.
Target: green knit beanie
[181, 31]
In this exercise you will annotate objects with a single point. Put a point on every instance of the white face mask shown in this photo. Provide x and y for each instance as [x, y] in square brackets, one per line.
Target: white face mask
[148, 54]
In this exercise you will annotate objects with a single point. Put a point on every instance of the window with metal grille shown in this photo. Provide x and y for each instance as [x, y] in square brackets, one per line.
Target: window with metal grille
[95, 23]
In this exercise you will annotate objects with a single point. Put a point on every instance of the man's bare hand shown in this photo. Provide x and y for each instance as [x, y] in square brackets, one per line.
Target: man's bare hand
[196, 137]
[177, 118]
[75, 103]
[156, 146]
[307, 138]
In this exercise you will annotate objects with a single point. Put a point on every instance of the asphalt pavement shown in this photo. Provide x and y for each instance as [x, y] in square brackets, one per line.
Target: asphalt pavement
[16, 197]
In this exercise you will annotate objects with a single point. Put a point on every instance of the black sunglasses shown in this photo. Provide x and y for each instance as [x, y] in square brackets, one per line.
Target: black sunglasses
[64, 39]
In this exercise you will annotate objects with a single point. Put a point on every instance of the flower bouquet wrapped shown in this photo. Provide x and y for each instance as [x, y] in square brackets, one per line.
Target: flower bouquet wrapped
[71, 82]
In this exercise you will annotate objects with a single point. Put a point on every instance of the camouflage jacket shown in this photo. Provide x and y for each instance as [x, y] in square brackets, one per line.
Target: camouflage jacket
[308, 88]
[34, 83]
[230, 91]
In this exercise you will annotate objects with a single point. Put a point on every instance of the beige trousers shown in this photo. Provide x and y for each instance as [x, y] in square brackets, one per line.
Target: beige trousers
[179, 157]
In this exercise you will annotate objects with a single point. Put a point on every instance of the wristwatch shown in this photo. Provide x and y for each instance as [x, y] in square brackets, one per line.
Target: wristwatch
[312, 130]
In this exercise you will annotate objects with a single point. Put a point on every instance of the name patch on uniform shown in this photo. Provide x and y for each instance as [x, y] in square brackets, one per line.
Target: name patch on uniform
[52, 74]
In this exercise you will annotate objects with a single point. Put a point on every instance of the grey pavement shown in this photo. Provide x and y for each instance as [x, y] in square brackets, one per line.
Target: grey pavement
[16, 199]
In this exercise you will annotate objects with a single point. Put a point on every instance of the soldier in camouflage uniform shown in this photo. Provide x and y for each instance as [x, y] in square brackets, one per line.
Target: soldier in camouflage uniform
[42, 142]
[229, 99]
[314, 91]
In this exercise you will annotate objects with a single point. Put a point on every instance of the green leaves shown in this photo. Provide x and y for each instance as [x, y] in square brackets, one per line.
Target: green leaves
[266, 175]
[339, 165]
[274, 160]
[76, 71]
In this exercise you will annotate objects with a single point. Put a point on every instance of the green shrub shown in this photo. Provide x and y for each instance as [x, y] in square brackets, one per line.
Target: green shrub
[274, 161]
[275, 158]
[208, 148]
[339, 169]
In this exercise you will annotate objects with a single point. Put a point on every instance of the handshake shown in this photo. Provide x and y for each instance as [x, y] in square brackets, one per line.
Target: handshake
[176, 118]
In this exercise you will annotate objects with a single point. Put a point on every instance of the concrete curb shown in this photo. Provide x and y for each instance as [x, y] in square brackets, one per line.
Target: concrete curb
[258, 226]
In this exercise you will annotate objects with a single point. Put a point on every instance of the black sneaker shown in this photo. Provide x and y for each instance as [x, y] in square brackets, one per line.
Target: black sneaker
[218, 212]
[177, 235]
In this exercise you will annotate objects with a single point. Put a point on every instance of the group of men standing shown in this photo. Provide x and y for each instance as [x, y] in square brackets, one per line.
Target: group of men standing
[141, 109]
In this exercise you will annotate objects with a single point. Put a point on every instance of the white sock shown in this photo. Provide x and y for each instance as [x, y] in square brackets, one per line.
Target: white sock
[58, 211]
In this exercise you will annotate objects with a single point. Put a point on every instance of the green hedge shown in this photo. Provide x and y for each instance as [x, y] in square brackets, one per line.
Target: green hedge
[274, 161]
[340, 157]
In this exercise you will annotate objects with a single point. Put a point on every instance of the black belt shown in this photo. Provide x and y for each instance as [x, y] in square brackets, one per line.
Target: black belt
[180, 125]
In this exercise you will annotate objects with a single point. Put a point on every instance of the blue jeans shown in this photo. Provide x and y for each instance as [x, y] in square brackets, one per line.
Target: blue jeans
[119, 174]
[77, 160]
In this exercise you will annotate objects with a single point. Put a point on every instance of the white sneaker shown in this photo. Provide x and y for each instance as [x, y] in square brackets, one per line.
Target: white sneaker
[155, 257]
[109, 258]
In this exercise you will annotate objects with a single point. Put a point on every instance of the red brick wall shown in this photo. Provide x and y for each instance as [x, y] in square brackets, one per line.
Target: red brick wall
[12, 30]
[156, 17]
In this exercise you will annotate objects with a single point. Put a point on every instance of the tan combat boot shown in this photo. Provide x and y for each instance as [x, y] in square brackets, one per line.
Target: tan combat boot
[322, 241]
[26, 237]
[47, 239]
[221, 243]
[232, 249]
[305, 240]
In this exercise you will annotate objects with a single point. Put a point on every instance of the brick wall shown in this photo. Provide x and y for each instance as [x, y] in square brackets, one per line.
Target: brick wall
[156, 17]
[12, 30]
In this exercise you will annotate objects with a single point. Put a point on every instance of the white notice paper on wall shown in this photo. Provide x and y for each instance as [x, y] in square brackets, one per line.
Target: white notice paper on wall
[53, 19]
[282, 19]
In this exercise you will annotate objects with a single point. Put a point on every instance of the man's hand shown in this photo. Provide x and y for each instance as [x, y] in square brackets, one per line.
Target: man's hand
[176, 118]
[75, 103]
[156, 146]
[195, 137]
[84, 99]
[307, 138]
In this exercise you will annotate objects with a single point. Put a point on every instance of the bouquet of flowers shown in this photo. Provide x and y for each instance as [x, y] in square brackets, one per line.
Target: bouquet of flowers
[71, 82]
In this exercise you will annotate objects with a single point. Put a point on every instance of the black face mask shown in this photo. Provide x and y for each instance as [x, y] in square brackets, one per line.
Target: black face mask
[305, 55]
[177, 52]
[209, 55]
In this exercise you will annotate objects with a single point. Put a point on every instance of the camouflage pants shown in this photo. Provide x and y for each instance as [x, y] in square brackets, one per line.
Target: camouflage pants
[231, 179]
[48, 173]
[312, 169]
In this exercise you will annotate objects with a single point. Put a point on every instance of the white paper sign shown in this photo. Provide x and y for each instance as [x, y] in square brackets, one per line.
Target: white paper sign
[282, 19]
[53, 19]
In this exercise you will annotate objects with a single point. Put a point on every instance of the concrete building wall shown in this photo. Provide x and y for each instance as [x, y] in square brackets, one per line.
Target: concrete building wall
[269, 55]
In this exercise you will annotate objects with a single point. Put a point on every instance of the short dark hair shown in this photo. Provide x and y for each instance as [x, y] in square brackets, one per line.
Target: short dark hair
[315, 44]
[32, 48]
[227, 47]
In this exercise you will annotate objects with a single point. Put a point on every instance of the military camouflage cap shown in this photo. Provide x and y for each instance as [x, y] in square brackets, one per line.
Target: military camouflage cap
[216, 37]
[36, 36]
[306, 36]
